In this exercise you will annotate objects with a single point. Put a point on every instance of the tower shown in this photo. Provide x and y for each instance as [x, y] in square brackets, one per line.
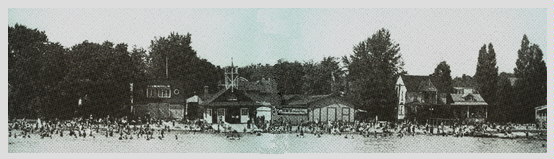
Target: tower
[231, 77]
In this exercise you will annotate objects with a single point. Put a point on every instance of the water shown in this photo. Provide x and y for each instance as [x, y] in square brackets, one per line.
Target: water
[277, 143]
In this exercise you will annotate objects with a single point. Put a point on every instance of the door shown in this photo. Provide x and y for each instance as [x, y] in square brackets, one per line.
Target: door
[208, 115]
[220, 115]
[233, 115]
[192, 111]
[331, 113]
[244, 115]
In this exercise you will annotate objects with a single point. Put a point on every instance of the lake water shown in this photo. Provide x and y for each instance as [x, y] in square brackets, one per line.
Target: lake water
[278, 143]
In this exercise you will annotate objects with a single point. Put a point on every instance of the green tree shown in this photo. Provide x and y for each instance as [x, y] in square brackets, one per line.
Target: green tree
[486, 77]
[531, 84]
[373, 70]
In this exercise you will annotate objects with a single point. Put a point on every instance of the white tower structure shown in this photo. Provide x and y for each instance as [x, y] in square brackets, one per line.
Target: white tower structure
[231, 77]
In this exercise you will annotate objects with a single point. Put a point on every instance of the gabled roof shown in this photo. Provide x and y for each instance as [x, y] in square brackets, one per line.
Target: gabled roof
[211, 98]
[304, 99]
[467, 99]
[440, 87]
[418, 83]
[265, 98]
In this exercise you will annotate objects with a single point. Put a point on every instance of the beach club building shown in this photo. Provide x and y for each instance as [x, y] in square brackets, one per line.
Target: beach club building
[240, 101]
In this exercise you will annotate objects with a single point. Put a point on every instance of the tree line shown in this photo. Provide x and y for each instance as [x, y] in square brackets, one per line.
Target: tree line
[46, 79]
[511, 97]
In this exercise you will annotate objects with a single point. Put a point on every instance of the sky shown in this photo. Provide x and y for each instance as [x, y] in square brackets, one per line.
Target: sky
[426, 36]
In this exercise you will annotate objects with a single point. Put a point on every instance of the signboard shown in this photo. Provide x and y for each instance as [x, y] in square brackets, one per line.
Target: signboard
[292, 111]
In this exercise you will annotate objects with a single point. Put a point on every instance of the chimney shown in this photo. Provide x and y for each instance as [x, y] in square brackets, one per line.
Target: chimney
[206, 91]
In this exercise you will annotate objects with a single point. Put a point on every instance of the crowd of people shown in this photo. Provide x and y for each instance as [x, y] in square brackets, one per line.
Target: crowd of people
[401, 129]
[121, 128]
[150, 128]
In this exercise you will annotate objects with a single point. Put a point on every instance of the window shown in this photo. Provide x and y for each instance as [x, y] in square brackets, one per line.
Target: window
[209, 111]
[401, 110]
[244, 111]
[345, 111]
[221, 112]
[158, 91]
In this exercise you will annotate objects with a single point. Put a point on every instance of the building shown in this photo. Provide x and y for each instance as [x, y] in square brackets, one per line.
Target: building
[419, 98]
[316, 108]
[540, 116]
[158, 98]
[423, 98]
[468, 104]
[239, 100]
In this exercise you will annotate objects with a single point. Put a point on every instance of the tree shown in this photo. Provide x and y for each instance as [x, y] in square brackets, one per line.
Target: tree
[255, 72]
[531, 84]
[486, 77]
[53, 71]
[464, 81]
[324, 77]
[373, 70]
[444, 79]
[289, 76]
[505, 99]
[173, 57]
[140, 63]
[25, 50]
[100, 75]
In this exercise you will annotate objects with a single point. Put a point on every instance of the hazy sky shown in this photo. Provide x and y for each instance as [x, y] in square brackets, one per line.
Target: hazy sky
[426, 36]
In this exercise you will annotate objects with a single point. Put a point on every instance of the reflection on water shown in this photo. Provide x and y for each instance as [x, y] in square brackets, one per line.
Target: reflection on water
[280, 143]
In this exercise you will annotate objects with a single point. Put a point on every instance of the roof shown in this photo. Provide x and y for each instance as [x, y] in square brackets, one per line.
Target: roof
[212, 97]
[418, 83]
[265, 98]
[303, 99]
[542, 107]
[440, 87]
[264, 85]
[467, 99]
[252, 97]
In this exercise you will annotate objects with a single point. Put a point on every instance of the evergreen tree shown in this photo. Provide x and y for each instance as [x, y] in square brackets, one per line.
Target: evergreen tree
[505, 99]
[530, 88]
[486, 77]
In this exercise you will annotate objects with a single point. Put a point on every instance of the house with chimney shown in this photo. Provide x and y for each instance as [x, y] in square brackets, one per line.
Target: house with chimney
[425, 99]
